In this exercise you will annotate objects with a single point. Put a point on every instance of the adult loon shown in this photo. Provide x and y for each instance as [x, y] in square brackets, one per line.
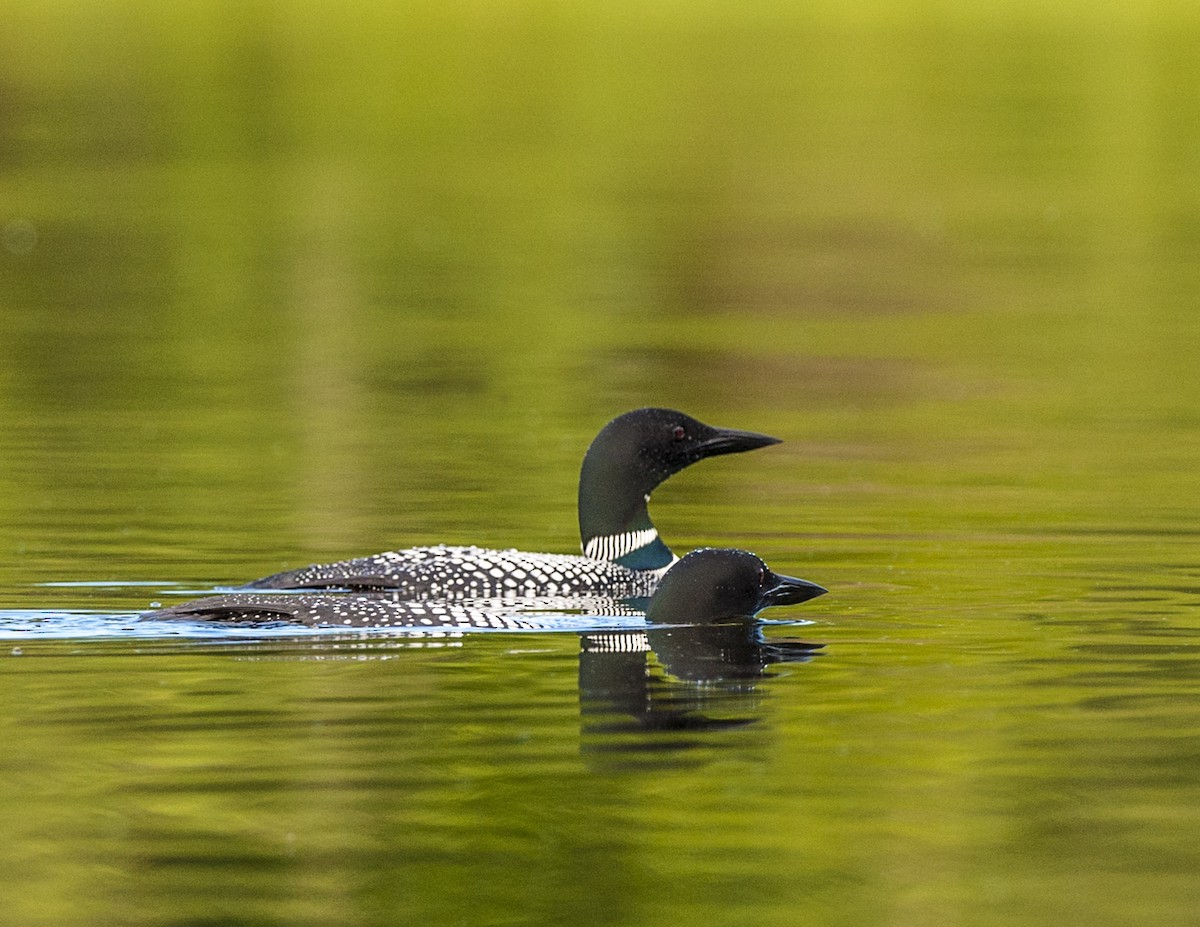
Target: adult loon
[622, 552]
[708, 586]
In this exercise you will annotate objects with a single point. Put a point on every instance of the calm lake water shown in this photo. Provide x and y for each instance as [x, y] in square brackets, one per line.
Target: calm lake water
[281, 284]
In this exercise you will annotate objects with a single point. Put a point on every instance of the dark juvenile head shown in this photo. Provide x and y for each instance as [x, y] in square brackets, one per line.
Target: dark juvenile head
[635, 452]
[715, 585]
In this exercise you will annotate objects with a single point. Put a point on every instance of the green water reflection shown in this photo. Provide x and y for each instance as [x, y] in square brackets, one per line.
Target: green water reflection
[282, 284]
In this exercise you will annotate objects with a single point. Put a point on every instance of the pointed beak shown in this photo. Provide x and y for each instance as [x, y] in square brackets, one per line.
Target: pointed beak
[791, 591]
[732, 441]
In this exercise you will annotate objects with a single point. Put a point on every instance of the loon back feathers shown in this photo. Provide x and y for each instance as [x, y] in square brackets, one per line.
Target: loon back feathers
[631, 455]
[469, 573]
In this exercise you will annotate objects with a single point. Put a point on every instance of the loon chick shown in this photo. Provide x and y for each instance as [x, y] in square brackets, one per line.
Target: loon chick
[707, 587]
[622, 552]
[720, 585]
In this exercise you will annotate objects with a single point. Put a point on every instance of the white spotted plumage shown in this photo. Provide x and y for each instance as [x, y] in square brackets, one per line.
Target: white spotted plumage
[443, 572]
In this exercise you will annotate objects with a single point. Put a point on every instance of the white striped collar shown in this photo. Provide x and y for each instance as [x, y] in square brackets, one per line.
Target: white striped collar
[615, 546]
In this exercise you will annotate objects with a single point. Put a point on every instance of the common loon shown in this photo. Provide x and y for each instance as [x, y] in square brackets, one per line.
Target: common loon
[708, 586]
[622, 552]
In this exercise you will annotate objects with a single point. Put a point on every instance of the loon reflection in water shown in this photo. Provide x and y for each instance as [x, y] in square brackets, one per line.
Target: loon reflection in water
[698, 680]
[622, 552]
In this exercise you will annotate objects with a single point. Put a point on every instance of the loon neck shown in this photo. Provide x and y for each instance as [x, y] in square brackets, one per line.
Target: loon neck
[632, 542]
[637, 550]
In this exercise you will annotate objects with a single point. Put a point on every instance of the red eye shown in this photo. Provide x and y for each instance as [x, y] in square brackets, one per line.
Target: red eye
[680, 433]
[762, 577]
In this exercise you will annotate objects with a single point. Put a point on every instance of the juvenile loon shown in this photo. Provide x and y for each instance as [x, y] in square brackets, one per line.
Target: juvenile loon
[708, 586]
[622, 552]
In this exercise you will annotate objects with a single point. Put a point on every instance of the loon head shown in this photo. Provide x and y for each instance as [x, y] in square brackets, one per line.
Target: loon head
[633, 454]
[721, 585]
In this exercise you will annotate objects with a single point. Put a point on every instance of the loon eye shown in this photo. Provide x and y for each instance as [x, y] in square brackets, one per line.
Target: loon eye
[762, 576]
[679, 432]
